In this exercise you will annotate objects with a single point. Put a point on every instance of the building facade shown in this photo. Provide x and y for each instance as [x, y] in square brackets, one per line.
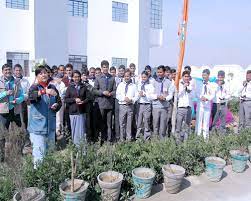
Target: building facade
[81, 32]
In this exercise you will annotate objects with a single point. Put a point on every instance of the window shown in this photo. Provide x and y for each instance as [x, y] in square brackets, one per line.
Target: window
[78, 61]
[14, 58]
[156, 14]
[18, 4]
[78, 8]
[119, 61]
[119, 12]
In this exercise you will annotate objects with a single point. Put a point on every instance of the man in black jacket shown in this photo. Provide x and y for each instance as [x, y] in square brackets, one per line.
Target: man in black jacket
[106, 88]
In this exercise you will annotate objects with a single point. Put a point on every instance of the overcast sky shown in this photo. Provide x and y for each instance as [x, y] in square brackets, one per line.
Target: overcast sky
[219, 32]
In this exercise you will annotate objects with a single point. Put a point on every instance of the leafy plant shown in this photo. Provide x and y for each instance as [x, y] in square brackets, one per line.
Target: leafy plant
[124, 157]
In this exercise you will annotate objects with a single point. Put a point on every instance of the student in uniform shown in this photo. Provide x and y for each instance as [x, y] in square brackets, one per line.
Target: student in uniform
[145, 90]
[148, 69]
[168, 73]
[118, 79]
[219, 108]
[76, 99]
[135, 80]
[98, 72]
[60, 86]
[173, 75]
[113, 71]
[127, 95]
[245, 103]
[95, 112]
[91, 77]
[106, 87]
[120, 76]
[204, 93]
[184, 111]
[134, 77]
[163, 93]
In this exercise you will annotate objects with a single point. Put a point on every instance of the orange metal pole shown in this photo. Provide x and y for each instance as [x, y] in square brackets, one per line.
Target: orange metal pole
[182, 34]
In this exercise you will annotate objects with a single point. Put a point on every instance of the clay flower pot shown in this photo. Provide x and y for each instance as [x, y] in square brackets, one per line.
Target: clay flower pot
[110, 183]
[80, 189]
[173, 177]
[214, 168]
[143, 181]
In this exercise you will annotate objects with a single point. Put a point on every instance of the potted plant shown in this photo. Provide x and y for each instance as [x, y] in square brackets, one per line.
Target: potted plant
[110, 183]
[74, 189]
[214, 168]
[32, 194]
[143, 180]
[239, 160]
[173, 177]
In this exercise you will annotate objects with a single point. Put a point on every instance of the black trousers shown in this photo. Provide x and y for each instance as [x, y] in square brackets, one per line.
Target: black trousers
[5, 120]
[106, 129]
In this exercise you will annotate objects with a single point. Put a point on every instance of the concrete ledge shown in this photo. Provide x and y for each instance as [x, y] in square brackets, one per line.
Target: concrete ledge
[232, 187]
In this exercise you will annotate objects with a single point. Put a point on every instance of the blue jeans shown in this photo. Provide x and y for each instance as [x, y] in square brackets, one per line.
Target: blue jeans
[40, 145]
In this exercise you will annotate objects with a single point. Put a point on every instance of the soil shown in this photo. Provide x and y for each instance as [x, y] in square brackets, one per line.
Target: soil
[144, 175]
[109, 178]
[29, 195]
[77, 186]
[215, 162]
[173, 171]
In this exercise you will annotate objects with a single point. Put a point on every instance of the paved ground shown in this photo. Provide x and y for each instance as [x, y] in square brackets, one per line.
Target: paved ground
[232, 187]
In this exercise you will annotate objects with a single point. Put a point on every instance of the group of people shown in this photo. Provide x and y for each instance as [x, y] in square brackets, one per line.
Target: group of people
[114, 104]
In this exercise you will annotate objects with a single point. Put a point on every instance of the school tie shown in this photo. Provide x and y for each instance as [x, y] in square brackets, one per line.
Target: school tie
[221, 89]
[245, 87]
[107, 82]
[133, 80]
[160, 79]
[143, 85]
[77, 89]
[127, 85]
[205, 87]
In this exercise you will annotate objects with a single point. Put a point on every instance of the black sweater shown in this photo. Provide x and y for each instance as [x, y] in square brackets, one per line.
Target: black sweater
[71, 95]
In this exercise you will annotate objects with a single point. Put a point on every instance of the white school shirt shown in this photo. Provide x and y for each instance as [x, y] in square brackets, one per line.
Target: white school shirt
[151, 80]
[60, 87]
[148, 93]
[200, 92]
[221, 93]
[135, 79]
[246, 91]
[92, 81]
[185, 99]
[132, 93]
[118, 80]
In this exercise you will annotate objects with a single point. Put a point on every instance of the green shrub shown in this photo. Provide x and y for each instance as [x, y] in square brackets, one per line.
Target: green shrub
[124, 157]
[7, 186]
[233, 106]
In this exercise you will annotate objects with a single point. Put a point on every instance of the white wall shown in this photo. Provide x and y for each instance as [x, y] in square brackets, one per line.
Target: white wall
[77, 35]
[17, 31]
[159, 54]
[144, 34]
[107, 39]
[51, 28]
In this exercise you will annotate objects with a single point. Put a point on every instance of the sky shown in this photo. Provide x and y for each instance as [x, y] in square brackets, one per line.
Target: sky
[219, 32]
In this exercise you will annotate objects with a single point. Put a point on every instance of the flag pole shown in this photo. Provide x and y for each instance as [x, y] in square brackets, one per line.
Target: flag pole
[182, 34]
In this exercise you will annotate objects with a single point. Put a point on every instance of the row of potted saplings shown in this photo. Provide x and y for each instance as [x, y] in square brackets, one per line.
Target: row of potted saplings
[110, 182]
